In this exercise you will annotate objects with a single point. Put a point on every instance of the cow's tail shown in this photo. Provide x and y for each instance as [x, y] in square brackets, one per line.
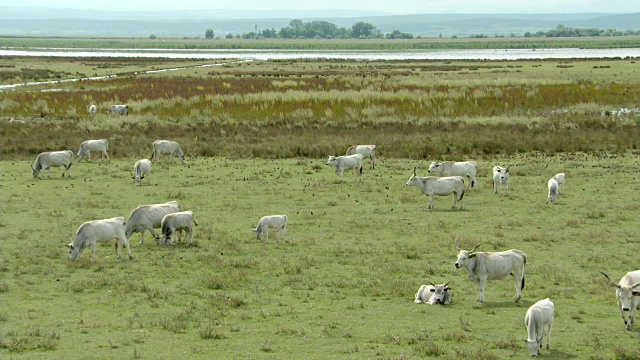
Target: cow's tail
[153, 151]
[524, 265]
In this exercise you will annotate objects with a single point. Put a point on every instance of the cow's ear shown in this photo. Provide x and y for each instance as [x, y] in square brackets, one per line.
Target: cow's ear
[446, 289]
[472, 255]
[635, 293]
[432, 290]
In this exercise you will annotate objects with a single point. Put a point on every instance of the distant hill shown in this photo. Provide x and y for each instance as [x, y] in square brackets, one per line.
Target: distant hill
[190, 23]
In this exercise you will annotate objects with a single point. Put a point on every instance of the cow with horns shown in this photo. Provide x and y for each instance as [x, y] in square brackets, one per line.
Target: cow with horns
[467, 169]
[88, 146]
[167, 147]
[433, 294]
[367, 151]
[431, 185]
[49, 159]
[141, 169]
[627, 296]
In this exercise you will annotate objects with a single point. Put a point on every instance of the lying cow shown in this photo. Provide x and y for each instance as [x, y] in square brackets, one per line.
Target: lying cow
[92, 110]
[148, 217]
[539, 318]
[559, 178]
[167, 147]
[433, 294]
[627, 296]
[141, 169]
[483, 266]
[272, 222]
[552, 196]
[49, 159]
[88, 146]
[367, 151]
[99, 231]
[467, 169]
[500, 179]
[118, 110]
[347, 162]
[431, 185]
[171, 223]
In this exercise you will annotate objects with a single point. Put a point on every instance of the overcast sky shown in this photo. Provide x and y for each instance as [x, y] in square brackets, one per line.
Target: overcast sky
[390, 6]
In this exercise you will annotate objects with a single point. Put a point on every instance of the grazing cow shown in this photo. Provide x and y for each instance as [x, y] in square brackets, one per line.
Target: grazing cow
[627, 296]
[559, 178]
[49, 159]
[431, 185]
[500, 178]
[148, 217]
[347, 162]
[99, 231]
[467, 169]
[171, 223]
[92, 110]
[140, 169]
[367, 151]
[433, 294]
[167, 147]
[552, 184]
[88, 146]
[539, 319]
[118, 110]
[271, 222]
[483, 266]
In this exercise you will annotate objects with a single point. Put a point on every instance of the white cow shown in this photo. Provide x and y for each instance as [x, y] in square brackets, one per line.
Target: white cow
[483, 266]
[49, 159]
[552, 196]
[500, 178]
[141, 169]
[88, 146]
[559, 178]
[433, 294]
[14, 121]
[468, 169]
[627, 296]
[171, 223]
[118, 110]
[99, 231]
[367, 151]
[347, 162]
[167, 147]
[539, 318]
[92, 110]
[148, 217]
[272, 222]
[431, 185]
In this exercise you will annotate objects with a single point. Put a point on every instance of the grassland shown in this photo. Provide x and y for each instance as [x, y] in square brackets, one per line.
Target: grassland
[344, 284]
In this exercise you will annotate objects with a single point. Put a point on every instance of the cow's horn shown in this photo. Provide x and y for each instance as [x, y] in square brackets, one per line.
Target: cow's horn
[475, 247]
[612, 282]
[414, 170]
[447, 283]
[458, 246]
[432, 284]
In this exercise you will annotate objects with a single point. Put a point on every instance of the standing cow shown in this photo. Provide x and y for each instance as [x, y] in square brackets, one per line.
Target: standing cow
[171, 223]
[500, 178]
[538, 320]
[272, 222]
[433, 294]
[367, 151]
[431, 185]
[627, 296]
[49, 159]
[347, 162]
[141, 169]
[483, 266]
[88, 146]
[552, 195]
[92, 110]
[467, 169]
[99, 231]
[118, 110]
[167, 147]
[148, 217]
[560, 178]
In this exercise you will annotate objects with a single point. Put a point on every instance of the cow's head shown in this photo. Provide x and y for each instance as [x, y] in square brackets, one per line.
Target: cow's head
[624, 294]
[441, 294]
[413, 180]
[504, 171]
[332, 161]
[74, 251]
[464, 256]
[534, 346]
[433, 166]
[35, 170]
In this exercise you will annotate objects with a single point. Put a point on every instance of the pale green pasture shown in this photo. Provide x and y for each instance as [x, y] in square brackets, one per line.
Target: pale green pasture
[343, 286]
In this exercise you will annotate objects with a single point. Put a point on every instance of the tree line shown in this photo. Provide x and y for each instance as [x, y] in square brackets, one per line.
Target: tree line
[563, 31]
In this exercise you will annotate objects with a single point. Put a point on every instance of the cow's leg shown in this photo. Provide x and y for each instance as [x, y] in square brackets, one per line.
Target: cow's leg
[284, 230]
[549, 334]
[455, 199]
[126, 243]
[518, 276]
[142, 236]
[495, 187]
[461, 199]
[341, 174]
[632, 313]
[430, 201]
[482, 282]
[190, 228]
[149, 178]
[267, 232]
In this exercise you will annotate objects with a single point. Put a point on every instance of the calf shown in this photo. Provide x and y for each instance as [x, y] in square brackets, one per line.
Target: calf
[483, 266]
[627, 296]
[347, 162]
[99, 230]
[431, 186]
[367, 151]
[433, 294]
[272, 222]
[49, 159]
[140, 169]
[500, 178]
[88, 146]
[539, 318]
[171, 223]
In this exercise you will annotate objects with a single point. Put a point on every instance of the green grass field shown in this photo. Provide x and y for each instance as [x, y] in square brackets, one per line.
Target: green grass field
[344, 284]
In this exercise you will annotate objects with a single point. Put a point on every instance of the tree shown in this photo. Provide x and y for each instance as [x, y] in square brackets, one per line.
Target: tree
[363, 30]
[152, 36]
[208, 34]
